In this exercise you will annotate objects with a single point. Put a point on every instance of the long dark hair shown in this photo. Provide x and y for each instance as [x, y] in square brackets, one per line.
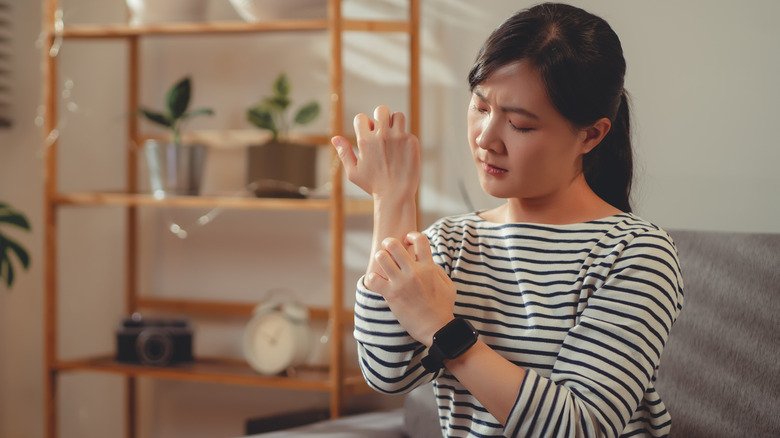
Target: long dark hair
[580, 60]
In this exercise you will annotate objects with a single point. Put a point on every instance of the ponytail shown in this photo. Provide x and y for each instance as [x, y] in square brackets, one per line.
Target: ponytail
[609, 167]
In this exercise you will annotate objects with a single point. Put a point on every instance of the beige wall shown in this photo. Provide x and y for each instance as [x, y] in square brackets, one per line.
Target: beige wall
[701, 74]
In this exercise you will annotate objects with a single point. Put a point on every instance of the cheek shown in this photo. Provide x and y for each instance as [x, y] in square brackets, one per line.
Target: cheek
[528, 155]
[536, 164]
[544, 161]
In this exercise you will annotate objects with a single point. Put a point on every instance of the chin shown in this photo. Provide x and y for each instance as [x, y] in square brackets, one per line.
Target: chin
[496, 192]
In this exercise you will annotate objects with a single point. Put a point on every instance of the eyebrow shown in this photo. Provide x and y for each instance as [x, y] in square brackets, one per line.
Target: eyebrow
[509, 109]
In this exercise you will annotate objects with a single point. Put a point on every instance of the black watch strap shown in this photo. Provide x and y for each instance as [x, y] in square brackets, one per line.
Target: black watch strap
[434, 360]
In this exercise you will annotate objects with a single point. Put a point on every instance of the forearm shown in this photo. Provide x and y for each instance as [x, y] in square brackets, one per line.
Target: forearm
[388, 356]
[392, 218]
[489, 377]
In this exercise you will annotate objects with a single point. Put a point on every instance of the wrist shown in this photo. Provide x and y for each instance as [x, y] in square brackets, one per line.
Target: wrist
[394, 216]
[450, 342]
[395, 201]
[469, 356]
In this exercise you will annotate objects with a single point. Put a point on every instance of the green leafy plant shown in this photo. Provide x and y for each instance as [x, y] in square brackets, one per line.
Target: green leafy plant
[8, 246]
[177, 101]
[272, 115]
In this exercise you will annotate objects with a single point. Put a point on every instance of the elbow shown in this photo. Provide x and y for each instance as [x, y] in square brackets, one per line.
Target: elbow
[589, 423]
[399, 381]
[390, 376]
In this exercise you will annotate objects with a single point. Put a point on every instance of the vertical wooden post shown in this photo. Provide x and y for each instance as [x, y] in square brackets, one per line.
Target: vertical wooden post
[50, 219]
[414, 80]
[131, 242]
[336, 212]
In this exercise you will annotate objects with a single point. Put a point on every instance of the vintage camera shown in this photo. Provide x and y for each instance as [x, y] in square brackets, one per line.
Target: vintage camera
[154, 341]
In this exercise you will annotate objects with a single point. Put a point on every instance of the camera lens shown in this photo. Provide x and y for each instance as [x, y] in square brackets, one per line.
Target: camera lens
[154, 347]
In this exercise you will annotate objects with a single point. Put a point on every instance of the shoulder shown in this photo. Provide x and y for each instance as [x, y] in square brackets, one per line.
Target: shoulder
[636, 232]
[650, 248]
[640, 232]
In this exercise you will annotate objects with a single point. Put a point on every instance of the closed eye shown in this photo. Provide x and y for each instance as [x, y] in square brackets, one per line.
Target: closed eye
[523, 130]
[478, 109]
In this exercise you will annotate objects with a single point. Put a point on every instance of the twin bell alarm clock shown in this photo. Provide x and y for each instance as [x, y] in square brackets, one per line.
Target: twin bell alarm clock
[278, 336]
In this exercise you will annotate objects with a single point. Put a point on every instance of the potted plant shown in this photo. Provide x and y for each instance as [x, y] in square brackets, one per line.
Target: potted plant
[166, 11]
[175, 167]
[8, 246]
[260, 10]
[281, 168]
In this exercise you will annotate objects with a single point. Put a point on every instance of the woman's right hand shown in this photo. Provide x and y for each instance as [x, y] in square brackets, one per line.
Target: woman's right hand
[387, 164]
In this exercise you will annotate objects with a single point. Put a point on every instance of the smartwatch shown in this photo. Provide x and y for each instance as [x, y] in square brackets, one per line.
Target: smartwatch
[452, 340]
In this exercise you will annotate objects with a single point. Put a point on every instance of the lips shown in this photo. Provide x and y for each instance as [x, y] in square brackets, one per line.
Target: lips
[492, 170]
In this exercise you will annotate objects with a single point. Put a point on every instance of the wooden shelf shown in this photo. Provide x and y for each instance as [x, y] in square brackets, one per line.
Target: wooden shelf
[227, 27]
[341, 378]
[216, 370]
[351, 206]
[223, 308]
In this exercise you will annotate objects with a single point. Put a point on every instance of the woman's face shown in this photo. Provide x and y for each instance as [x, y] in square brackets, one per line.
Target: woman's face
[522, 146]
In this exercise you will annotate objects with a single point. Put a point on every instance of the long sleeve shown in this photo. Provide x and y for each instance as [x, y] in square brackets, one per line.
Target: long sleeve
[390, 359]
[608, 359]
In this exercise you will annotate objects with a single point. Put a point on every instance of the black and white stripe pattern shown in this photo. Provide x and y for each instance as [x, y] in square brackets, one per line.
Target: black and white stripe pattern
[585, 308]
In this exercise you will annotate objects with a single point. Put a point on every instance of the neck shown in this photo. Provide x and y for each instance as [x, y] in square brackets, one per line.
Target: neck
[572, 203]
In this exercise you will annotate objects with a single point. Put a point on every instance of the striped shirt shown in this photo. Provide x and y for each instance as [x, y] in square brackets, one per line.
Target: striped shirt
[584, 308]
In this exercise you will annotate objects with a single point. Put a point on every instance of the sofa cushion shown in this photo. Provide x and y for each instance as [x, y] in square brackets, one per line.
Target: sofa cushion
[421, 413]
[720, 370]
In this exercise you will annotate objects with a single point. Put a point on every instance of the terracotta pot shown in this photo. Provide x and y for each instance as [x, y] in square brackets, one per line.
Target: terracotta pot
[281, 170]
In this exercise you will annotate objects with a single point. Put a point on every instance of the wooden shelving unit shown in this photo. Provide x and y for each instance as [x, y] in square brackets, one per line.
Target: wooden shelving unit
[124, 30]
[338, 380]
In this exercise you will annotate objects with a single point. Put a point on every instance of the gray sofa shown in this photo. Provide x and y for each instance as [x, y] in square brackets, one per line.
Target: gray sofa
[720, 371]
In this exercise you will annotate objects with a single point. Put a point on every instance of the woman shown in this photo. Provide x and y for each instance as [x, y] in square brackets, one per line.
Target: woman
[547, 315]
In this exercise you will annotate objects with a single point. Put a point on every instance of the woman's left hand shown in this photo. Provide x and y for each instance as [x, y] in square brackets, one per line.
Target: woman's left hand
[417, 290]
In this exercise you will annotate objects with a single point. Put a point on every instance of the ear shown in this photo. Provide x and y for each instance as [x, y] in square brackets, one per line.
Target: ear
[593, 135]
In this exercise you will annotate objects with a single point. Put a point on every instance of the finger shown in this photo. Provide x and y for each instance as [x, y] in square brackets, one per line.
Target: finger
[376, 283]
[382, 117]
[398, 121]
[362, 125]
[387, 263]
[401, 257]
[346, 153]
[420, 244]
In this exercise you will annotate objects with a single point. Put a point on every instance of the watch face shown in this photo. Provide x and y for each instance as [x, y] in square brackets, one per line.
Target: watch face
[455, 338]
[270, 343]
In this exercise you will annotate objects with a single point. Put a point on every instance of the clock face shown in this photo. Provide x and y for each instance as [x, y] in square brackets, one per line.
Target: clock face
[271, 343]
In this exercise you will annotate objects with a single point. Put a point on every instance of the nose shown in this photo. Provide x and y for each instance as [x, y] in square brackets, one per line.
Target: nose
[489, 137]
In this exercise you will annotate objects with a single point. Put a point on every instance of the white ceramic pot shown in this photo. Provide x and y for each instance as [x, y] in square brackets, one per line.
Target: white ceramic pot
[166, 11]
[260, 10]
